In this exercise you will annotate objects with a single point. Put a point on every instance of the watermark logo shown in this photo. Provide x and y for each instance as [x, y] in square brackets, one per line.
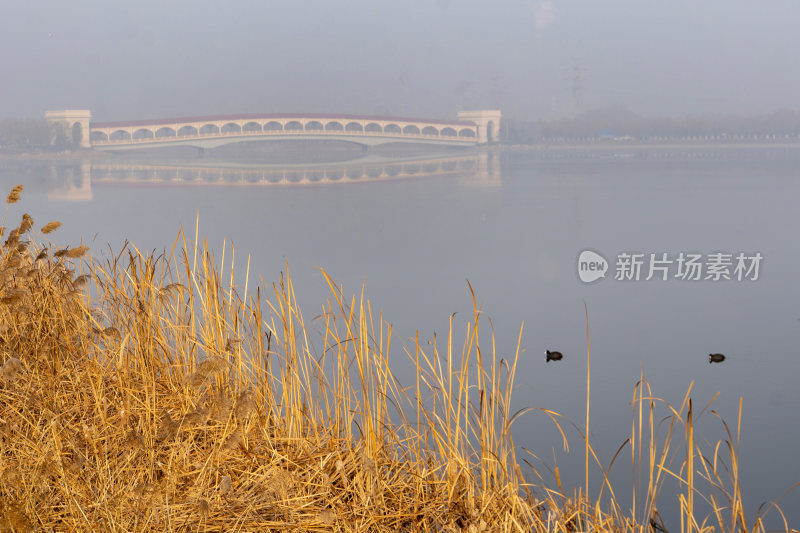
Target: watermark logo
[683, 266]
[591, 266]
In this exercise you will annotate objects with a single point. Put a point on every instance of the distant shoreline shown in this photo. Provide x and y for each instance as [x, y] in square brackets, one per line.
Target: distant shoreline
[37, 155]
[539, 147]
[543, 147]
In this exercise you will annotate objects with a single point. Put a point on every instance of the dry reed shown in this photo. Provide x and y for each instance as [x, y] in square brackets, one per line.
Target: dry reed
[146, 395]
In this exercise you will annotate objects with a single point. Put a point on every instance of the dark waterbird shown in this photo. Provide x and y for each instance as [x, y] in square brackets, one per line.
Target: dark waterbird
[715, 358]
[553, 356]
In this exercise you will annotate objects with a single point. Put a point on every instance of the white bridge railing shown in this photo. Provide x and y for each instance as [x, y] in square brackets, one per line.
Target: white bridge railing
[172, 138]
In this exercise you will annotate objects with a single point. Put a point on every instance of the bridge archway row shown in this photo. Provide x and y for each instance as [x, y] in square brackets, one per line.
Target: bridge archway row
[202, 129]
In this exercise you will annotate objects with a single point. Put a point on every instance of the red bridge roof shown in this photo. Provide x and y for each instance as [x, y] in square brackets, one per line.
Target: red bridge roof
[261, 116]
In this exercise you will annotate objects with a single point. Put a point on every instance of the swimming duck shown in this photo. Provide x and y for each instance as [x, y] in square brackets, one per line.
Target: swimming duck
[553, 356]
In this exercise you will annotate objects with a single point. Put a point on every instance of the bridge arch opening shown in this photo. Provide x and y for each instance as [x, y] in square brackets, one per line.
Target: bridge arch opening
[232, 177]
[354, 173]
[313, 126]
[391, 128]
[334, 174]
[231, 127]
[411, 130]
[165, 132]
[120, 135]
[372, 127]
[143, 133]
[141, 174]
[448, 132]
[293, 126]
[252, 127]
[209, 129]
[411, 169]
[165, 175]
[188, 174]
[490, 131]
[334, 126]
[99, 136]
[187, 131]
[59, 134]
[466, 132]
[77, 135]
[354, 127]
[430, 130]
[273, 126]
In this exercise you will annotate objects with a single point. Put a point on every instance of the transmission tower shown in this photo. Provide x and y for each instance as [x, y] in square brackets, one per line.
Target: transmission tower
[576, 80]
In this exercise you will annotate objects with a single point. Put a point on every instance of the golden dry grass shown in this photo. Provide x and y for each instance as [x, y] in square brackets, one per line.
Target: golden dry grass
[145, 393]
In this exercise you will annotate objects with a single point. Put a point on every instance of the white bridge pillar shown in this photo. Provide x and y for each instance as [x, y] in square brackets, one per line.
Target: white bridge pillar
[74, 122]
[488, 122]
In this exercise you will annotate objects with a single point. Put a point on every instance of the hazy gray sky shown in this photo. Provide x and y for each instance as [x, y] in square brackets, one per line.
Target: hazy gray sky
[148, 59]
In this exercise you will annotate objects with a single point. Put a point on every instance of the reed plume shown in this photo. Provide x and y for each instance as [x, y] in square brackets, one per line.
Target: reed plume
[15, 194]
[51, 227]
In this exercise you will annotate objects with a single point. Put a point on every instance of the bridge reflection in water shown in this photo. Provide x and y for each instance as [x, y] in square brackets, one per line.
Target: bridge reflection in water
[75, 182]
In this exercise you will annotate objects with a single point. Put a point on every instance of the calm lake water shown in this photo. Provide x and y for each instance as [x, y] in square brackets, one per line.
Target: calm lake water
[513, 224]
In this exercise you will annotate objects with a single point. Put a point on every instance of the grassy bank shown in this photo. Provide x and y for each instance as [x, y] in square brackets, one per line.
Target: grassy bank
[158, 393]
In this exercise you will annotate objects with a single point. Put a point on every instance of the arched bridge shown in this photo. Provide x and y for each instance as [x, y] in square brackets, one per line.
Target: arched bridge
[471, 128]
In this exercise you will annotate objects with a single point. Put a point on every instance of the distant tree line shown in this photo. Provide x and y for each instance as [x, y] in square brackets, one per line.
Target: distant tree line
[25, 132]
[619, 122]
